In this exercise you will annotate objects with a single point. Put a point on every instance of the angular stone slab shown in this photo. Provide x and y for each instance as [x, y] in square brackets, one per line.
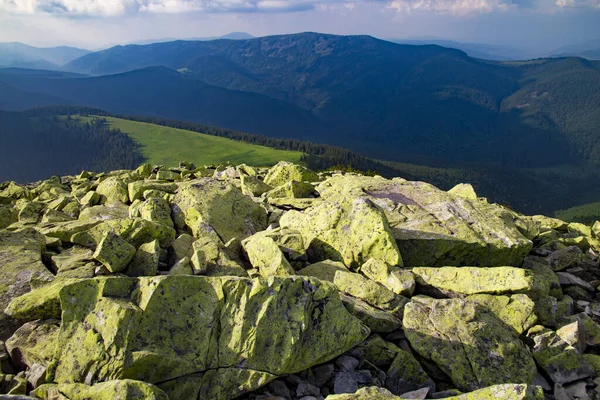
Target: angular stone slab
[468, 342]
[219, 205]
[126, 328]
[437, 228]
[456, 282]
[348, 231]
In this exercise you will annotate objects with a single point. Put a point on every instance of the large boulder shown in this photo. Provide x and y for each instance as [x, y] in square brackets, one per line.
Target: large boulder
[457, 282]
[504, 392]
[20, 262]
[126, 328]
[285, 172]
[348, 231]
[220, 205]
[437, 228]
[135, 231]
[264, 255]
[113, 190]
[468, 342]
[122, 389]
[33, 343]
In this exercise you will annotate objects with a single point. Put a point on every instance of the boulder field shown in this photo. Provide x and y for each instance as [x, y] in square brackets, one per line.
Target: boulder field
[235, 282]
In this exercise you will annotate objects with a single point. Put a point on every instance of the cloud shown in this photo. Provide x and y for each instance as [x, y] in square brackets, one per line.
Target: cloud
[453, 7]
[121, 7]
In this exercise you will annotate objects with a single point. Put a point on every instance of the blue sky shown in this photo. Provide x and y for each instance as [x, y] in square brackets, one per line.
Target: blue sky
[540, 25]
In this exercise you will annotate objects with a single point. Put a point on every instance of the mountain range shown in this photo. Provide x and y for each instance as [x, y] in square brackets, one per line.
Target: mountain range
[417, 103]
[16, 54]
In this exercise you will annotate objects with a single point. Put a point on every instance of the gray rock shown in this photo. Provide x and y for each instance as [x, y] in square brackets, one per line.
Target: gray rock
[306, 389]
[323, 374]
[567, 279]
[363, 377]
[347, 363]
[36, 375]
[420, 394]
[344, 383]
[279, 388]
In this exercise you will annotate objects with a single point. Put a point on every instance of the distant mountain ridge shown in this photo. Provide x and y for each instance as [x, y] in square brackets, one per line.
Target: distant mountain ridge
[17, 54]
[411, 103]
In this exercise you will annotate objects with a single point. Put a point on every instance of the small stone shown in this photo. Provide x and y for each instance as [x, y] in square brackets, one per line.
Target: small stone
[574, 335]
[577, 391]
[323, 374]
[347, 363]
[363, 377]
[279, 388]
[567, 279]
[344, 383]
[114, 252]
[306, 389]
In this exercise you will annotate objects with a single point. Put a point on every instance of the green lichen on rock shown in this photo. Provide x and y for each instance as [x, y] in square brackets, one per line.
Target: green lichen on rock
[561, 362]
[114, 252]
[378, 321]
[324, 270]
[406, 375]
[252, 186]
[229, 383]
[279, 326]
[34, 343]
[264, 254]
[464, 190]
[459, 336]
[516, 310]
[113, 190]
[292, 189]
[220, 205]
[156, 210]
[145, 261]
[135, 231]
[436, 228]
[397, 280]
[455, 281]
[350, 231]
[285, 172]
[20, 261]
[118, 389]
[371, 292]
[136, 189]
[40, 303]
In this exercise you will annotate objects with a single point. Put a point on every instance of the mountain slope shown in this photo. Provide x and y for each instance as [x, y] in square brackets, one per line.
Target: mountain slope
[390, 101]
[14, 99]
[159, 91]
[19, 54]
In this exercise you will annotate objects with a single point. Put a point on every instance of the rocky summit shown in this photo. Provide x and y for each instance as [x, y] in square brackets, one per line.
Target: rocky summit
[225, 282]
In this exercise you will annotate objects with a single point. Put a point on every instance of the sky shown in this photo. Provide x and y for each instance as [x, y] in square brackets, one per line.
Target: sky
[538, 25]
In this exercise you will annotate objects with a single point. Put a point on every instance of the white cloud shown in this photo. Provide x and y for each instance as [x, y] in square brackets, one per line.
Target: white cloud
[120, 7]
[453, 7]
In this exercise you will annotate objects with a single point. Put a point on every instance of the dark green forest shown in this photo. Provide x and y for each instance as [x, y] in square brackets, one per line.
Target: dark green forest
[38, 144]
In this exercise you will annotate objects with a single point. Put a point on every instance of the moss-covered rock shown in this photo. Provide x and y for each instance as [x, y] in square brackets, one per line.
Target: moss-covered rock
[136, 189]
[285, 172]
[406, 375]
[455, 281]
[292, 189]
[324, 270]
[264, 254]
[145, 261]
[436, 228]
[517, 311]
[377, 320]
[113, 190]
[468, 342]
[399, 281]
[210, 256]
[156, 210]
[8, 215]
[20, 261]
[114, 252]
[351, 232]
[40, 303]
[118, 389]
[104, 212]
[371, 292]
[561, 362]
[123, 328]
[34, 343]
[464, 190]
[134, 231]
[90, 199]
[252, 186]
[219, 205]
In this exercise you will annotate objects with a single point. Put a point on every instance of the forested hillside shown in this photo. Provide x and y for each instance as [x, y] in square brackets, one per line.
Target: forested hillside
[35, 145]
[423, 104]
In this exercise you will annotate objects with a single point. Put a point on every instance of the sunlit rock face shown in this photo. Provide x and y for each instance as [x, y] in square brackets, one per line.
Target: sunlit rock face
[224, 282]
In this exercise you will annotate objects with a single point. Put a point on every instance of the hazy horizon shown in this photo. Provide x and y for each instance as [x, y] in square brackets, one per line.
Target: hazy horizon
[535, 25]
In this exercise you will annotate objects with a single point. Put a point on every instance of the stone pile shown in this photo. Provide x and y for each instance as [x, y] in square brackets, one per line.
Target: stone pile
[224, 282]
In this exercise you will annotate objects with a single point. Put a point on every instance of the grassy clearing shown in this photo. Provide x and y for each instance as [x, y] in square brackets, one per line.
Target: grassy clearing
[167, 146]
[586, 213]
